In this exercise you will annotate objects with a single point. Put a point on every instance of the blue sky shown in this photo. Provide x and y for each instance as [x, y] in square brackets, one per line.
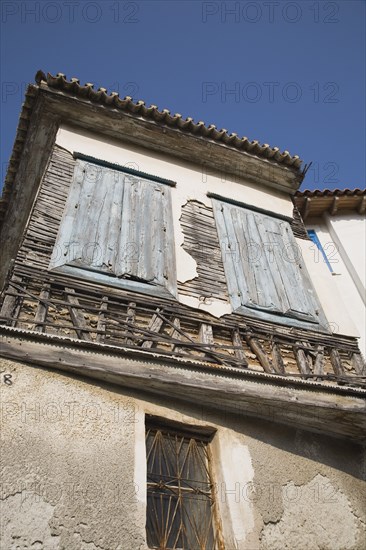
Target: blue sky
[291, 74]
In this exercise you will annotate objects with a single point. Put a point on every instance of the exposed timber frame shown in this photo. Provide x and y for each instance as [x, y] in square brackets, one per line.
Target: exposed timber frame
[334, 410]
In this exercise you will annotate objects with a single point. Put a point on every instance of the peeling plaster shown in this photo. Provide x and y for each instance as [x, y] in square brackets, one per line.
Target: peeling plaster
[30, 528]
[186, 265]
[215, 307]
[320, 521]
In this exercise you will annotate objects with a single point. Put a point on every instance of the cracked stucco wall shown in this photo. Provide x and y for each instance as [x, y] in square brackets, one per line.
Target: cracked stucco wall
[73, 471]
[67, 464]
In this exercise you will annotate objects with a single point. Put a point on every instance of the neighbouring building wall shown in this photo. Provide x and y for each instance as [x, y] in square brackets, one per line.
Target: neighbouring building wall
[343, 239]
[74, 473]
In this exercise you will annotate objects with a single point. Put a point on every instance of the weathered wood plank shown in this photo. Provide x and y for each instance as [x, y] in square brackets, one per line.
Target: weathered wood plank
[76, 315]
[277, 360]
[175, 334]
[12, 303]
[261, 355]
[301, 359]
[359, 364]
[42, 308]
[336, 362]
[102, 320]
[239, 351]
[131, 314]
[155, 325]
[206, 334]
[319, 361]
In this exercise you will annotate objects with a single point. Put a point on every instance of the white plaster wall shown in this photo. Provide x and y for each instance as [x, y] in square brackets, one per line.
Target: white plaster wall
[351, 232]
[339, 294]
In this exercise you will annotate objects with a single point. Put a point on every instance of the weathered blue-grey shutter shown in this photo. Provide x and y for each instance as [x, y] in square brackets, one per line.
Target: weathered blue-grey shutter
[89, 232]
[117, 224]
[262, 263]
[146, 248]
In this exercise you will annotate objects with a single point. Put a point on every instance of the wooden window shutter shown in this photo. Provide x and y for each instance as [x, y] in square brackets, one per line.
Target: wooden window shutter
[119, 225]
[263, 265]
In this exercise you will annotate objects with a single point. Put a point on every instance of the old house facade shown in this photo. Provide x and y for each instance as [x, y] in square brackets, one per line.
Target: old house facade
[170, 375]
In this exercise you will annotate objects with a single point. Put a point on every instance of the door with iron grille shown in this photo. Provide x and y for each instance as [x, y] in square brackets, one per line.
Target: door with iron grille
[181, 511]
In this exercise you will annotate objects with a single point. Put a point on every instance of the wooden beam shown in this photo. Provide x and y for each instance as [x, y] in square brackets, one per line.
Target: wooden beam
[42, 309]
[77, 317]
[336, 362]
[131, 315]
[11, 304]
[239, 351]
[102, 319]
[261, 355]
[334, 206]
[206, 334]
[277, 360]
[359, 364]
[301, 359]
[155, 325]
[319, 361]
[362, 206]
[175, 334]
[306, 208]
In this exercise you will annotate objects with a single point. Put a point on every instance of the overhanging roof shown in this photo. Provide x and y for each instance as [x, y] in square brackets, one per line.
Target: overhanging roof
[164, 116]
[314, 203]
[207, 134]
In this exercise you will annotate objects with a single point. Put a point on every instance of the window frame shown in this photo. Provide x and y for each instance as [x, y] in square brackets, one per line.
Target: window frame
[169, 290]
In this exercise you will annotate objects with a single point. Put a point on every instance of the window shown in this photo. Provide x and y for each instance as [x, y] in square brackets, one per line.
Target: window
[265, 273]
[117, 228]
[314, 237]
[180, 502]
